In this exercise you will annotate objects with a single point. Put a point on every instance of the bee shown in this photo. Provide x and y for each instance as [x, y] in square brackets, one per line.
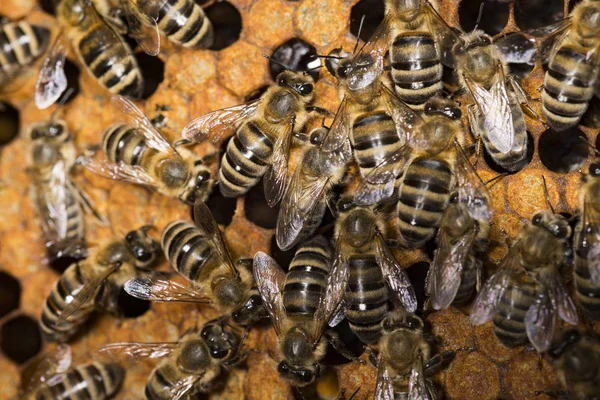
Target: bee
[300, 304]
[361, 268]
[52, 378]
[525, 295]
[264, 129]
[455, 272]
[576, 358]
[21, 43]
[497, 115]
[573, 66]
[191, 365]
[137, 153]
[405, 361]
[199, 254]
[95, 283]
[587, 245]
[103, 52]
[307, 195]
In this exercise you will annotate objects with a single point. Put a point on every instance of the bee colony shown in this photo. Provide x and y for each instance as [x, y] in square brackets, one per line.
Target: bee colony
[521, 206]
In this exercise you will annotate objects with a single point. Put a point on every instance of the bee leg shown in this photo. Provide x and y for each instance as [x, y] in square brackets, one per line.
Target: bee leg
[342, 394]
[87, 204]
[318, 110]
[340, 346]
[438, 362]
[301, 136]
[372, 356]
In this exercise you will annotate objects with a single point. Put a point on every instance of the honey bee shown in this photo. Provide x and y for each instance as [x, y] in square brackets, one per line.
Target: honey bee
[587, 245]
[574, 64]
[300, 304]
[52, 378]
[576, 358]
[307, 195]
[103, 52]
[405, 361]
[191, 365]
[137, 153]
[264, 130]
[199, 254]
[95, 283]
[497, 115]
[21, 43]
[525, 295]
[362, 266]
[455, 272]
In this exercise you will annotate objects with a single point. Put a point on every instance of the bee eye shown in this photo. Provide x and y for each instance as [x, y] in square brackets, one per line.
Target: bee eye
[595, 169]
[305, 89]
[281, 81]
[305, 375]
[202, 177]
[283, 367]
[343, 71]
[537, 219]
[218, 353]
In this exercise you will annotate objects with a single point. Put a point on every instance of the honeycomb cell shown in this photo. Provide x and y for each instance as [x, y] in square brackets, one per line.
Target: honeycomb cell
[471, 376]
[518, 51]
[227, 24]
[500, 169]
[130, 306]
[528, 202]
[527, 375]
[373, 11]
[531, 14]
[280, 15]
[452, 329]
[283, 258]
[257, 210]
[563, 151]
[241, 68]
[326, 23]
[10, 123]
[417, 274]
[153, 71]
[10, 293]
[187, 71]
[20, 338]
[222, 207]
[355, 376]
[297, 55]
[494, 16]
[73, 73]
[488, 344]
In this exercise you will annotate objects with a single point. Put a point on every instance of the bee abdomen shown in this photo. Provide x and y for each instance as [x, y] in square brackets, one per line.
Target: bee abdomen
[121, 143]
[161, 380]
[468, 281]
[587, 292]
[245, 161]
[185, 23]
[366, 298]
[416, 67]
[20, 44]
[424, 194]
[509, 321]
[111, 61]
[187, 250]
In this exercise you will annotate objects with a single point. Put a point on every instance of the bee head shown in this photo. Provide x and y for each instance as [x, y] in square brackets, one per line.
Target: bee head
[334, 61]
[144, 248]
[74, 11]
[221, 342]
[298, 365]
[555, 224]
[589, 20]
[249, 312]
[56, 130]
[299, 376]
[198, 186]
[300, 82]
[444, 107]
[594, 169]
[472, 41]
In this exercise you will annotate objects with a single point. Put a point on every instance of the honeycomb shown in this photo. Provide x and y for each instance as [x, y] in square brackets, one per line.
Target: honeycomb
[193, 82]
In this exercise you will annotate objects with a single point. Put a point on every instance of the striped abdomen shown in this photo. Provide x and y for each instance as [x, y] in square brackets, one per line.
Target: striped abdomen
[69, 284]
[423, 196]
[110, 61]
[468, 281]
[568, 87]
[122, 143]
[183, 22]
[587, 292]
[246, 160]
[366, 298]
[93, 381]
[188, 251]
[416, 67]
[163, 379]
[20, 45]
[306, 281]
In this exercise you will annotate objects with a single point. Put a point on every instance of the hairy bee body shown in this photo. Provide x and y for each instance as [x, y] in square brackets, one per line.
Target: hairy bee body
[21, 43]
[94, 381]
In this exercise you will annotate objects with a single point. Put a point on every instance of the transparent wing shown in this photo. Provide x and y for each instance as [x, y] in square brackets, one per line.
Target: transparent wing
[589, 239]
[338, 135]
[540, 321]
[447, 38]
[52, 81]
[142, 27]
[472, 192]
[407, 121]
[118, 171]
[396, 277]
[137, 351]
[204, 220]
[384, 390]
[548, 37]
[561, 301]
[49, 369]
[270, 279]
[379, 42]
[183, 386]
[136, 118]
[153, 287]
[275, 178]
[216, 123]
[417, 385]
[56, 202]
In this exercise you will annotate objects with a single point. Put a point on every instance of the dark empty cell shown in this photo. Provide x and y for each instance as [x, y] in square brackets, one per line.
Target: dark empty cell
[493, 17]
[597, 145]
[130, 306]
[49, 6]
[227, 24]
[297, 55]
[417, 274]
[283, 258]
[222, 208]
[20, 338]
[60, 264]
[257, 210]
[352, 343]
[326, 387]
[153, 71]
[537, 13]
[10, 293]
[518, 52]
[493, 165]
[10, 123]
[430, 247]
[563, 151]
[72, 72]
[591, 118]
[373, 10]
[256, 93]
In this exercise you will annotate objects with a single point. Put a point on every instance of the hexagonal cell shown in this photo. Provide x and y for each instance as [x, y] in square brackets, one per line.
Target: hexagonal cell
[73, 72]
[283, 258]
[130, 306]
[10, 123]
[500, 169]
[10, 293]
[227, 24]
[518, 52]
[563, 151]
[494, 16]
[417, 274]
[20, 338]
[257, 210]
[373, 10]
[153, 71]
[223, 208]
[297, 55]
[531, 14]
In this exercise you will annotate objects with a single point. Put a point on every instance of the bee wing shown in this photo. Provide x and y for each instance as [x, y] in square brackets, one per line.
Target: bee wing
[143, 27]
[135, 117]
[384, 390]
[56, 202]
[52, 81]
[447, 267]
[275, 178]
[446, 37]
[547, 37]
[270, 279]
[216, 123]
[540, 321]
[396, 277]
[561, 301]
[204, 220]
[379, 42]
[85, 294]
[338, 136]
[49, 369]
[417, 385]
[183, 386]
[117, 171]
[137, 351]
[472, 192]
[153, 287]
[407, 121]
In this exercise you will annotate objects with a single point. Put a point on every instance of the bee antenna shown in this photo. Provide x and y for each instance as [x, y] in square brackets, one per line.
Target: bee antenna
[479, 15]
[589, 144]
[286, 67]
[362, 20]
[61, 103]
[496, 178]
[334, 57]
[547, 195]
